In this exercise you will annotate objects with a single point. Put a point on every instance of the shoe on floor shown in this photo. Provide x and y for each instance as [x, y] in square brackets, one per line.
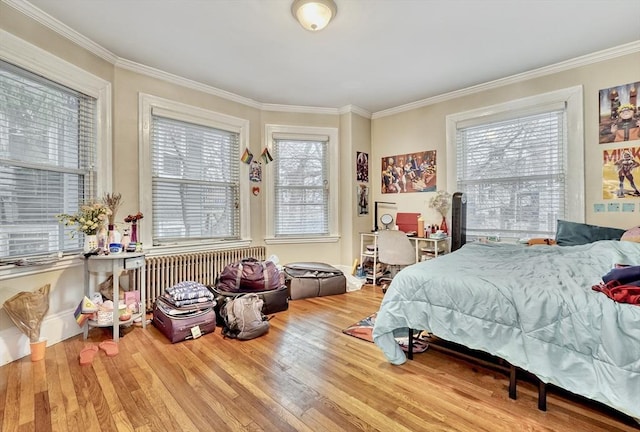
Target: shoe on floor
[87, 354]
[109, 347]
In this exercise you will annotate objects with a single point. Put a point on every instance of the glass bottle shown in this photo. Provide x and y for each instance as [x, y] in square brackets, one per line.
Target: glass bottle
[125, 239]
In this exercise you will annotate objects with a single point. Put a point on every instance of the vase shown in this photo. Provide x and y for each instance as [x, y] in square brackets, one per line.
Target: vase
[443, 225]
[134, 232]
[38, 350]
[90, 242]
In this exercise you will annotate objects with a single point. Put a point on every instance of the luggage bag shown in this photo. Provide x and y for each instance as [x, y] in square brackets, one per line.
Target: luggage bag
[313, 279]
[176, 326]
[276, 300]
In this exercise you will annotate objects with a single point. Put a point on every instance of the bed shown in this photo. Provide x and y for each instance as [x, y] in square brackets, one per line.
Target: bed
[532, 306]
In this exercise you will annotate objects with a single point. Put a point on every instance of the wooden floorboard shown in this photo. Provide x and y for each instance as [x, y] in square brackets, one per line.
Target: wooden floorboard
[304, 375]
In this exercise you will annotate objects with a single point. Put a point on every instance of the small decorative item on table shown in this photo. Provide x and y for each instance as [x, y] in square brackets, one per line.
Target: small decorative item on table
[112, 201]
[133, 219]
[88, 220]
[90, 242]
[441, 202]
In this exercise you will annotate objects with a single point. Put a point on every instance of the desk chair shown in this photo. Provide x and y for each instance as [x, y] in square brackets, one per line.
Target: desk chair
[396, 251]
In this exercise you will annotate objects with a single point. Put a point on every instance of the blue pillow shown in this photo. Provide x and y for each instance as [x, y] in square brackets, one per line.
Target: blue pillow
[574, 233]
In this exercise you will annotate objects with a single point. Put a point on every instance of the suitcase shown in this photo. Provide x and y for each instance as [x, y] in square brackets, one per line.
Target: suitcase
[276, 300]
[176, 326]
[313, 279]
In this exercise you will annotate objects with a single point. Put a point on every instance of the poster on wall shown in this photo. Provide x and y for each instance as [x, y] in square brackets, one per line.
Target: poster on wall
[362, 167]
[412, 172]
[619, 113]
[620, 173]
[363, 199]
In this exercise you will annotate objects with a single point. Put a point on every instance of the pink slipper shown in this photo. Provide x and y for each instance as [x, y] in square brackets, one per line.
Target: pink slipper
[87, 354]
[109, 347]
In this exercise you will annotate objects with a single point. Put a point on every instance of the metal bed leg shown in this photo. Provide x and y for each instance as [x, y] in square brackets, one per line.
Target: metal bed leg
[512, 382]
[542, 396]
[410, 347]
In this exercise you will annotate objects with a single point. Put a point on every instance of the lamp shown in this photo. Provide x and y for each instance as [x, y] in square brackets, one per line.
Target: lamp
[314, 15]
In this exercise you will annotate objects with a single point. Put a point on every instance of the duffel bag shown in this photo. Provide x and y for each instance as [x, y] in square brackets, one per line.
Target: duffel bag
[250, 275]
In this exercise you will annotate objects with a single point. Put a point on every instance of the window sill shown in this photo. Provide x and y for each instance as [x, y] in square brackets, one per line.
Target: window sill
[298, 240]
[11, 271]
[191, 247]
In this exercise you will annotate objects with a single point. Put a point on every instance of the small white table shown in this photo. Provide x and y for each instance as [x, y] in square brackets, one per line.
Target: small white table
[115, 264]
[436, 243]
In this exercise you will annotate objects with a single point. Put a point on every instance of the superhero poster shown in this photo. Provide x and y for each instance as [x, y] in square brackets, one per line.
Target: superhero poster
[620, 173]
[413, 172]
[619, 114]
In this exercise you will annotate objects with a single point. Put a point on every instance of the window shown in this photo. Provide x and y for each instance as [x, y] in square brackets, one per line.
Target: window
[194, 178]
[48, 145]
[519, 165]
[303, 189]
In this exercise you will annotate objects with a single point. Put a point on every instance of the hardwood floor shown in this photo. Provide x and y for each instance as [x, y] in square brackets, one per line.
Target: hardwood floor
[304, 375]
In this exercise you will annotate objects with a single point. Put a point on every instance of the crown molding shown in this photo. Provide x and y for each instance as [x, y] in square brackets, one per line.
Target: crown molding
[298, 109]
[629, 48]
[184, 82]
[47, 20]
[355, 110]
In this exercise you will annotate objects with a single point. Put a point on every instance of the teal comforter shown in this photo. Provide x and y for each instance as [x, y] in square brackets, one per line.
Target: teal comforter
[532, 306]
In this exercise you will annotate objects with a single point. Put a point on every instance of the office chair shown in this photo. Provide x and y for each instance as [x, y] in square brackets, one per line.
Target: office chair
[396, 251]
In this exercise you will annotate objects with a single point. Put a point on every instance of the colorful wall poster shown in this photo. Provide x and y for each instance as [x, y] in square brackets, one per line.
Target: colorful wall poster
[412, 172]
[363, 199]
[362, 167]
[619, 173]
[619, 113]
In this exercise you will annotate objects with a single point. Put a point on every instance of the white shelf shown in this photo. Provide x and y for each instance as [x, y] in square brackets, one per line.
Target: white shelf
[114, 264]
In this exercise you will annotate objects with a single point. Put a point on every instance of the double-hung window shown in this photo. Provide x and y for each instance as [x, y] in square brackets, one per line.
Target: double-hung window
[48, 144]
[520, 165]
[195, 183]
[304, 185]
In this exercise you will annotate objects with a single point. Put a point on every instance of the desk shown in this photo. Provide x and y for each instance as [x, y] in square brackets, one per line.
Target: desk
[371, 239]
[115, 264]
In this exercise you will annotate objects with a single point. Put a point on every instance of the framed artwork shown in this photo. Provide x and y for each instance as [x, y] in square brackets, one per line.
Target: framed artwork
[362, 167]
[363, 199]
[619, 114]
[412, 172]
[620, 173]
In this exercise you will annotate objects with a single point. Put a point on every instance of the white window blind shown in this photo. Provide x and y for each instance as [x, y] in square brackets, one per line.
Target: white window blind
[301, 189]
[47, 162]
[513, 173]
[196, 188]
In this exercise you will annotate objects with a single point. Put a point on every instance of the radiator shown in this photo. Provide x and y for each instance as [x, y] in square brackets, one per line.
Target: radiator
[165, 271]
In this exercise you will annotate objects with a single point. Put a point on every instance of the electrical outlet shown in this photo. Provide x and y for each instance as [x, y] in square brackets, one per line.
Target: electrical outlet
[599, 208]
[629, 207]
[613, 207]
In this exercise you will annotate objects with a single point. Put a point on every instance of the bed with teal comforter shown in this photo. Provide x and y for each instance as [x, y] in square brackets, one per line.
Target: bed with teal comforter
[531, 306]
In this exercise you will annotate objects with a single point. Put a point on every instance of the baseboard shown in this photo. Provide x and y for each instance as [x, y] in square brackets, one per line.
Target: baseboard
[55, 328]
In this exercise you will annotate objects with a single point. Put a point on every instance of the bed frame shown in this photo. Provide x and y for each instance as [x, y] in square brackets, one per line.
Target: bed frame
[458, 239]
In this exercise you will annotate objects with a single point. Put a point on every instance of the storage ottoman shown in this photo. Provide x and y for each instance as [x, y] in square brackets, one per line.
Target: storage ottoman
[313, 279]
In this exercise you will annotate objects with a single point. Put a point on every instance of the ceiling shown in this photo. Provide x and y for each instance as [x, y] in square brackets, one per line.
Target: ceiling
[375, 55]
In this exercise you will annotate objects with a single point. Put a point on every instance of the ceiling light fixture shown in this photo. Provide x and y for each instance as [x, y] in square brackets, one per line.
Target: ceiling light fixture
[314, 15]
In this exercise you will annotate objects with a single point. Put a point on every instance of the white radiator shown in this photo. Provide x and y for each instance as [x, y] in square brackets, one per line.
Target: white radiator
[165, 271]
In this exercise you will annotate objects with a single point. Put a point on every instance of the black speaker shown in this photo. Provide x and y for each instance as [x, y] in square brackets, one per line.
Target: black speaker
[458, 221]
